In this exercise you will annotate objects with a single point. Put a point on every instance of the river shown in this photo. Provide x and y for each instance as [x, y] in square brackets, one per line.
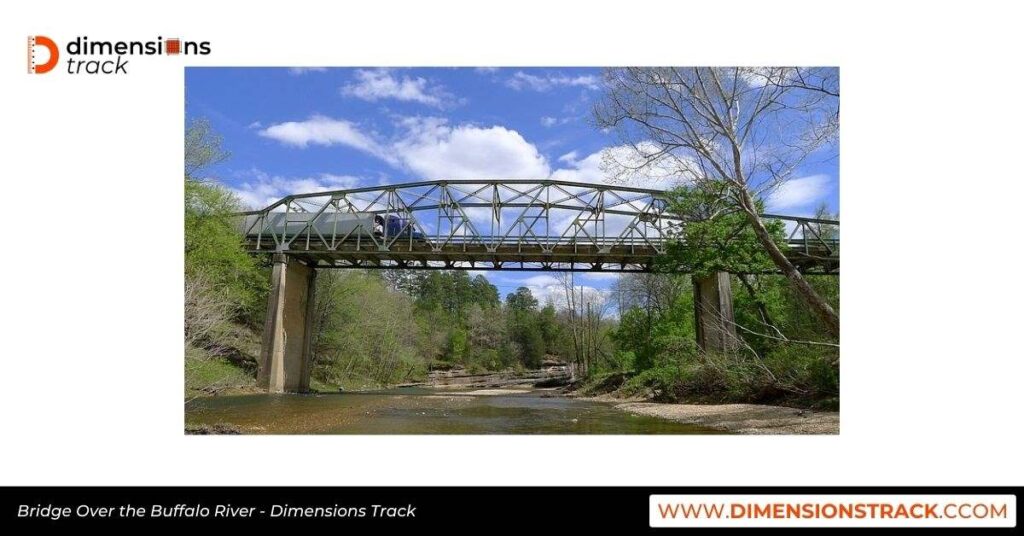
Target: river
[424, 410]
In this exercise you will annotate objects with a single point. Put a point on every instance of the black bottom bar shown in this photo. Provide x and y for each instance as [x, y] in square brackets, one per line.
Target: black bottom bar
[450, 510]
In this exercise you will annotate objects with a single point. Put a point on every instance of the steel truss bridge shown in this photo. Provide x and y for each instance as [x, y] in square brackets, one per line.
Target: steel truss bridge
[496, 225]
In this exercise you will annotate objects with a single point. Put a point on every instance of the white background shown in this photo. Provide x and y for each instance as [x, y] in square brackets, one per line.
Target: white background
[90, 320]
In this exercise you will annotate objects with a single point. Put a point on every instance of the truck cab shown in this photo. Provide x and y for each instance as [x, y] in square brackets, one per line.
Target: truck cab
[395, 226]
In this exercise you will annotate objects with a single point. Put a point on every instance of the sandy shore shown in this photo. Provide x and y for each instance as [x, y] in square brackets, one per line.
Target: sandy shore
[737, 418]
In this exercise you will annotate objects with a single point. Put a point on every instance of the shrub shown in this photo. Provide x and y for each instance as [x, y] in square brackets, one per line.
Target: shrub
[805, 369]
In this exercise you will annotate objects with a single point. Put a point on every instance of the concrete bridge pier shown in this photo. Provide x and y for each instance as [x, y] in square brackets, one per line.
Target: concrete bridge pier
[285, 355]
[712, 300]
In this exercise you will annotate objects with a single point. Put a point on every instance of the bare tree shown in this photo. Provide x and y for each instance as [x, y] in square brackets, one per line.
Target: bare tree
[652, 291]
[585, 310]
[206, 309]
[202, 148]
[569, 286]
[735, 133]
[824, 230]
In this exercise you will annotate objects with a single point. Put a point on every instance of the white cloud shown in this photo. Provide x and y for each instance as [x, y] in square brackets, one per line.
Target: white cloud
[428, 146]
[433, 149]
[548, 121]
[486, 70]
[262, 189]
[613, 164]
[540, 281]
[520, 81]
[545, 287]
[586, 170]
[321, 130]
[377, 84]
[255, 125]
[598, 276]
[298, 71]
[799, 193]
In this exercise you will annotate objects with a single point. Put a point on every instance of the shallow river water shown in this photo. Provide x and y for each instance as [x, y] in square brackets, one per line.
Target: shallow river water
[424, 411]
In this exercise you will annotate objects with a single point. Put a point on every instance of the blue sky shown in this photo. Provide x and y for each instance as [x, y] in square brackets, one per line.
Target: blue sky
[307, 129]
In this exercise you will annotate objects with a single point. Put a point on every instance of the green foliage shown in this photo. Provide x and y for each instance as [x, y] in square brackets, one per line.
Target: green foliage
[647, 334]
[223, 285]
[550, 330]
[452, 292]
[700, 378]
[487, 334]
[205, 373]
[715, 238]
[213, 249]
[527, 338]
[654, 382]
[363, 331]
[634, 336]
[475, 329]
[806, 370]
[771, 365]
[458, 344]
[484, 293]
[521, 300]
[618, 361]
[525, 327]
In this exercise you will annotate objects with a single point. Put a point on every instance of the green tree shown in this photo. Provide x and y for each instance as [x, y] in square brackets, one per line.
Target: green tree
[550, 330]
[452, 292]
[213, 244]
[524, 329]
[714, 238]
[364, 331]
[213, 249]
[633, 334]
[736, 131]
[484, 293]
[521, 300]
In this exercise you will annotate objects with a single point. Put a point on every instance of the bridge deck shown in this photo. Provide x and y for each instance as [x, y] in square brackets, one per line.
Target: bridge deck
[420, 254]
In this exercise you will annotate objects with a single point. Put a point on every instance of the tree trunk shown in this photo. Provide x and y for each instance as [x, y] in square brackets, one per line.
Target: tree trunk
[817, 304]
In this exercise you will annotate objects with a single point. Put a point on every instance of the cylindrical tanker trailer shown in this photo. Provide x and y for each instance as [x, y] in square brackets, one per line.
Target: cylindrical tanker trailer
[328, 224]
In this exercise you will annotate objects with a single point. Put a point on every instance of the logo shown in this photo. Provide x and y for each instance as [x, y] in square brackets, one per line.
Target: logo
[36, 42]
[85, 56]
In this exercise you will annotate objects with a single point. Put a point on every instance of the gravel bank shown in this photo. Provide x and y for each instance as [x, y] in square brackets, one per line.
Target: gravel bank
[740, 418]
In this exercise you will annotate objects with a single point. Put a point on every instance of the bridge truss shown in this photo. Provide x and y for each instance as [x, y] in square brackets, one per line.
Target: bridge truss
[497, 225]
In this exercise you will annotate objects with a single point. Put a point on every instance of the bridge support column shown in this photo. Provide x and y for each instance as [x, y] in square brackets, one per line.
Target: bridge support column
[712, 300]
[287, 332]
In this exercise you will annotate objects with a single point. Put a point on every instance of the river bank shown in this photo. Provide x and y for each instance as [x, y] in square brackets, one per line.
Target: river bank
[456, 401]
[730, 418]
[754, 419]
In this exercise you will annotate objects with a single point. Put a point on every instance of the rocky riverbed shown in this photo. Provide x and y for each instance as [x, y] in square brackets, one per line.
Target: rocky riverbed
[552, 375]
[731, 418]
